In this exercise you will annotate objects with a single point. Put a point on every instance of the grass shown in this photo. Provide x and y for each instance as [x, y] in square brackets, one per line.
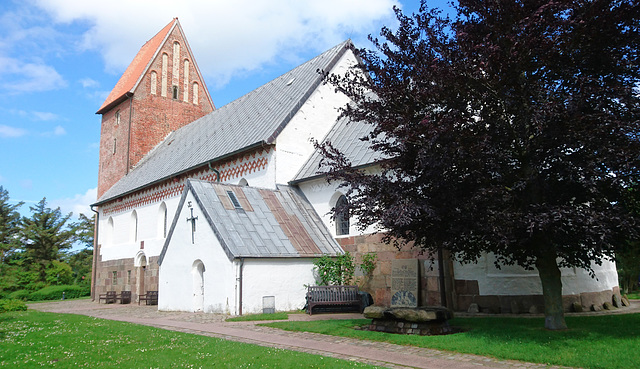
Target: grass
[258, 317]
[33, 339]
[635, 295]
[590, 342]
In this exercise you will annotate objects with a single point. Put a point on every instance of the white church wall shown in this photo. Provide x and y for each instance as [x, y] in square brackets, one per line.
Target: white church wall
[282, 278]
[313, 121]
[514, 280]
[177, 290]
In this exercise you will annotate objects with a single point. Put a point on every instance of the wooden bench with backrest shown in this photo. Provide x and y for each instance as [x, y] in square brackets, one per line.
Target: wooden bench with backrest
[150, 298]
[109, 297]
[333, 296]
[124, 297]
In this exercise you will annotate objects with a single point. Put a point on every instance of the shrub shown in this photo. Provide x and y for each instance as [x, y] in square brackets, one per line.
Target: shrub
[7, 305]
[55, 293]
[334, 271]
[19, 295]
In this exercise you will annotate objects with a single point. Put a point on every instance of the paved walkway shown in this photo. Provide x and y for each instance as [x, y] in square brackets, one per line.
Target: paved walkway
[214, 325]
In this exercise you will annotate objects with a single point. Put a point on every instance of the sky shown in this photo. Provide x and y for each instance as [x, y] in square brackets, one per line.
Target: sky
[59, 59]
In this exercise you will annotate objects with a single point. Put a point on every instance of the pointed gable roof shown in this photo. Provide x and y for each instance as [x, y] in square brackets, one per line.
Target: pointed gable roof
[251, 121]
[141, 62]
[266, 224]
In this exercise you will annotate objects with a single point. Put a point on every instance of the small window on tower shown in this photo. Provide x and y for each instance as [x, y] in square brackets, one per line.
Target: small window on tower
[114, 279]
[117, 117]
[114, 145]
[175, 92]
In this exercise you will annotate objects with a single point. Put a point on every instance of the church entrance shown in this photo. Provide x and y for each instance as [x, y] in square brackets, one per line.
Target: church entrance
[141, 267]
[197, 272]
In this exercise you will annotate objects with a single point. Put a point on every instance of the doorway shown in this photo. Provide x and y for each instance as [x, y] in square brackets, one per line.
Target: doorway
[197, 272]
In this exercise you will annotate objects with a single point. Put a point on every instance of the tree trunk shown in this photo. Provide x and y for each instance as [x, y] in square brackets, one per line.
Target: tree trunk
[552, 291]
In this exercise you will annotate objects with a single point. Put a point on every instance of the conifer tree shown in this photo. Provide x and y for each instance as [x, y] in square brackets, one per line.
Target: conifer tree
[9, 222]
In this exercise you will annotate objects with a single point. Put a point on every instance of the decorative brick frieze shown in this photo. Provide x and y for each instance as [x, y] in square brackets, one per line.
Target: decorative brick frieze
[230, 169]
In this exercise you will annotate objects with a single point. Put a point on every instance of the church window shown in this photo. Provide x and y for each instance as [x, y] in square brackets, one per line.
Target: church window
[243, 182]
[114, 277]
[109, 238]
[342, 216]
[115, 141]
[134, 227]
[128, 276]
[185, 83]
[117, 117]
[162, 220]
[175, 75]
[175, 92]
[234, 200]
[163, 86]
[154, 82]
[195, 93]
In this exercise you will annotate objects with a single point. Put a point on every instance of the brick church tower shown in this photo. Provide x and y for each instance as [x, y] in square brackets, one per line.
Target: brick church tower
[161, 91]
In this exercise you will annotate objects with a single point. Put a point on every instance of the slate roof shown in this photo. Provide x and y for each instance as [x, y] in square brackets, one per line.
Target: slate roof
[345, 136]
[270, 224]
[253, 120]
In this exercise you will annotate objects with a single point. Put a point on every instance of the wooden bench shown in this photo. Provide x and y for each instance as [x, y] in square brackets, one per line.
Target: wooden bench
[333, 296]
[124, 297]
[109, 297]
[150, 298]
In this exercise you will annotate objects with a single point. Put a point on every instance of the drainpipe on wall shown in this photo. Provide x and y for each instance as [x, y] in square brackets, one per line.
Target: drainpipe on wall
[239, 285]
[129, 133]
[215, 171]
[95, 255]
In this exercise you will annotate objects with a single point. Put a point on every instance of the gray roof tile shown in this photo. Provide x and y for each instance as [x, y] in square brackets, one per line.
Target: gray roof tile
[253, 119]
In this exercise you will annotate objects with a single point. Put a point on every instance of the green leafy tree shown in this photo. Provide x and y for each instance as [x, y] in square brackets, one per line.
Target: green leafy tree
[45, 236]
[511, 129]
[9, 225]
[628, 256]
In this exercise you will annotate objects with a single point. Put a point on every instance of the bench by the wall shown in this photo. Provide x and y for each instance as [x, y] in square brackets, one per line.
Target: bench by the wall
[333, 296]
[109, 297]
[150, 298]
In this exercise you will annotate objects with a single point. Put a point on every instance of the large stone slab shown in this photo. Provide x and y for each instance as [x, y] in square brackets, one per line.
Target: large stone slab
[404, 283]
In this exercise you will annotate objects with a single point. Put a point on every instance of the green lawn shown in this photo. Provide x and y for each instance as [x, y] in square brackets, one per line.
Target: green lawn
[590, 342]
[32, 339]
[635, 295]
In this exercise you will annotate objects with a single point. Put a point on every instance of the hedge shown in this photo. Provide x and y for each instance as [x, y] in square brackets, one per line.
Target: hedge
[12, 305]
[55, 293]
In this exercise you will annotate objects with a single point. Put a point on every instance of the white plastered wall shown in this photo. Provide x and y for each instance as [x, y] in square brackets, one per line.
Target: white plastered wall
[514, 280]
[313, 121]
[282, 278]
[176, 282]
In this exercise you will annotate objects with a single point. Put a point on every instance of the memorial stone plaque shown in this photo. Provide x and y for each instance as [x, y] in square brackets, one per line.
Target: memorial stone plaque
[404, 283]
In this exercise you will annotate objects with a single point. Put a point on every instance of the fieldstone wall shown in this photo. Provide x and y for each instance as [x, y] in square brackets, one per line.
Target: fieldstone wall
[379, 284]
[127, 277]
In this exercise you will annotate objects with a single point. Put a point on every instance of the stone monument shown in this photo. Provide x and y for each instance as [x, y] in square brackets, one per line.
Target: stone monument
[404, 283]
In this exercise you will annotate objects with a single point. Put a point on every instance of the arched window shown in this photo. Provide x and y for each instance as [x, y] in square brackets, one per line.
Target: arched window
[342, 216]
[243, 182]
[154, 82]
[175, 75]
[109, 235]
[134, 227]
[163, 86]
[195, 93]
[162, 220]
[185, 83]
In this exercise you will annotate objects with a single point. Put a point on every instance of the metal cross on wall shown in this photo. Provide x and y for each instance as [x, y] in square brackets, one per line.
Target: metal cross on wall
[193, 223]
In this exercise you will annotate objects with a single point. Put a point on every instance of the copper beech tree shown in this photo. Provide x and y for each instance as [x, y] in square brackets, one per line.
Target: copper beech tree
[510, 128]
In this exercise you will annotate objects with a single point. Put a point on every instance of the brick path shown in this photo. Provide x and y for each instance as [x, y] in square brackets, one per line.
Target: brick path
[213, 325]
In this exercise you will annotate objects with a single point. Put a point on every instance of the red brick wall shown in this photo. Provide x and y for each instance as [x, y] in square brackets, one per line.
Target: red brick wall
[152, 116]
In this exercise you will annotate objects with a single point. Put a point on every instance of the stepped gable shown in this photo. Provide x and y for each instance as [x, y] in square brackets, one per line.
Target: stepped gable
[251, 121]
[264, 224]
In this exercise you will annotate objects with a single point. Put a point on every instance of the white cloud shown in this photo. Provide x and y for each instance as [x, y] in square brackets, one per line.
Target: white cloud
[89, 83]
[45, 116]
[59, 131]
[227, 37]
[80, 203]
[8, 132]
[17, 76]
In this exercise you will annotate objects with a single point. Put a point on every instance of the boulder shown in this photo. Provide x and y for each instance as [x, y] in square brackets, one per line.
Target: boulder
[616, 300]
[625, 301]
[577, 307]
[595, 307]
[608, 306]
[473, 308]
[374, 312]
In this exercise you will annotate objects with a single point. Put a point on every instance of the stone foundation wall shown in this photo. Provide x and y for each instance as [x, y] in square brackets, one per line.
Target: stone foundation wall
[127, 277]
[468, 293]
[379, 284]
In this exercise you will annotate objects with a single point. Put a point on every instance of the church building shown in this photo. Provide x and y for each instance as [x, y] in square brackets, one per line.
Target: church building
[224, 210]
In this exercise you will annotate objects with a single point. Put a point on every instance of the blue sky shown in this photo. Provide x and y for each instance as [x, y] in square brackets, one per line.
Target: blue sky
[59, 59]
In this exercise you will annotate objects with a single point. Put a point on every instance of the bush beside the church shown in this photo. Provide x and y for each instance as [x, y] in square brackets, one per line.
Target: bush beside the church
[55, 293]
[7, 305]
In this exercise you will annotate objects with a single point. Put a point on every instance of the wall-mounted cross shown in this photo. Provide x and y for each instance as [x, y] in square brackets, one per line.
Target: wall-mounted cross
[193, 222]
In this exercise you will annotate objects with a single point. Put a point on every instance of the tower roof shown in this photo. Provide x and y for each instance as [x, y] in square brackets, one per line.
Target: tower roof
[136, 70]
